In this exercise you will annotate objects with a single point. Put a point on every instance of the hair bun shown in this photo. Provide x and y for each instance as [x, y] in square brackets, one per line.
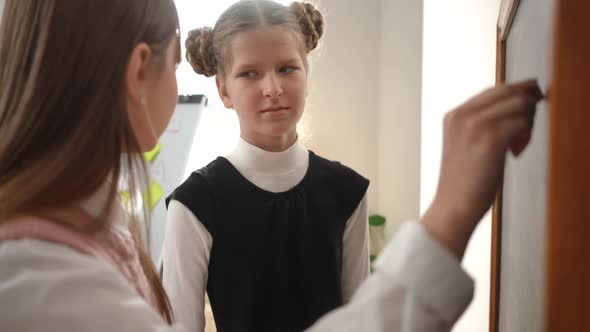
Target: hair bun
[200, 53]
[311, 23]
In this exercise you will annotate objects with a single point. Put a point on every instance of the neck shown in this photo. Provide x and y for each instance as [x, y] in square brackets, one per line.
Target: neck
[271, 143]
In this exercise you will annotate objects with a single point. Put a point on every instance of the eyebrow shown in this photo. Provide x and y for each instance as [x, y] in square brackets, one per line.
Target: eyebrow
[248, 65]
[244, 66]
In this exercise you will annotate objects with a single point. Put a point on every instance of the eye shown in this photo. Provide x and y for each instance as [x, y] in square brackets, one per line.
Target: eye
[287, 69]
[248, 74]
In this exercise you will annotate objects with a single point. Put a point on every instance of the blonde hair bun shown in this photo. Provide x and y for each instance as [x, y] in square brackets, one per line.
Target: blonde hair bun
[199, 51]
[311, 22]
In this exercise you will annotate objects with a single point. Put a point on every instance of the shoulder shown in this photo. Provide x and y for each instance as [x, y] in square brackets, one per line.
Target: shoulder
[203, 176]
[200, 183]
[333, 179]
[51, 287]
[337, 173]
[199, 191]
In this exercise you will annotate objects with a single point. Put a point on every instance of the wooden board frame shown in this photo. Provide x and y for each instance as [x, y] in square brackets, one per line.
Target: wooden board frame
[506, 16]
[567, 292]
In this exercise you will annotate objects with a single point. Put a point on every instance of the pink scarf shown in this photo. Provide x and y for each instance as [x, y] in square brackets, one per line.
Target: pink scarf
[114, 248]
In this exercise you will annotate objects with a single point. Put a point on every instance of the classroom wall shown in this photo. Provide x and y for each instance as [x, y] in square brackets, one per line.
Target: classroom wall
[365, 99]
[341, 118]
[459, 60]
[400, 103]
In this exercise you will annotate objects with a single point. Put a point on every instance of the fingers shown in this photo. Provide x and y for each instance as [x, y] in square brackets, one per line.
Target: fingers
[511, 121]
[520, 143]
[515, 133]
[504, 123]
[515, 104]
[513, 116]
[529, 88]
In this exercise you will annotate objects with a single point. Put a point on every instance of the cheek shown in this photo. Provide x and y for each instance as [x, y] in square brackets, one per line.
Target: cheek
[169, 80]
[173, 99]
[174, 88]
[298, 88]
[244, 96]
[166, 103]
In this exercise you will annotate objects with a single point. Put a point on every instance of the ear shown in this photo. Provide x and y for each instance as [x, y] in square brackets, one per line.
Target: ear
[136, 75]
[222, 89]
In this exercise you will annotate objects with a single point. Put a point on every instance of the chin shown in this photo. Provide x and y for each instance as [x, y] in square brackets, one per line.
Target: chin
[147, 146]
[280, 131]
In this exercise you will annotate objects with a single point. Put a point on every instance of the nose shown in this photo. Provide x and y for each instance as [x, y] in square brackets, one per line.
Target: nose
[272, 87]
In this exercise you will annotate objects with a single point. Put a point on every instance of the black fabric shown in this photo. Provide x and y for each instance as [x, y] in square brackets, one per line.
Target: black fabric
[276, 259]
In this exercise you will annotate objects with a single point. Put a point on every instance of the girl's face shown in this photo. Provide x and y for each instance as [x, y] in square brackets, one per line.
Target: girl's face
[155, 91]
[266, 83]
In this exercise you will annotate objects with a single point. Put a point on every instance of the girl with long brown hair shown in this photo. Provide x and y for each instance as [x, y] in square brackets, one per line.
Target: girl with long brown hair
[85, 87]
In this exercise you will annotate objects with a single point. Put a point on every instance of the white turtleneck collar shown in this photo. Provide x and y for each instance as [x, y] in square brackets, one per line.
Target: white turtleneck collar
[94, 204]
[271, 171]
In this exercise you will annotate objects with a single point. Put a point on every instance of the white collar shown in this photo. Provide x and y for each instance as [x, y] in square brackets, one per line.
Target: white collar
[246, 156]
[271, 171]
[94, 204]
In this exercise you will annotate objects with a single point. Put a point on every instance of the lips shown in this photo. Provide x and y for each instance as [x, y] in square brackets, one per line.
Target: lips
[274, 109]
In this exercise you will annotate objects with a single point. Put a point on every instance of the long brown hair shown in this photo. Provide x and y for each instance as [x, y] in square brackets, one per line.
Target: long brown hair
[64, 125]
[206, 48]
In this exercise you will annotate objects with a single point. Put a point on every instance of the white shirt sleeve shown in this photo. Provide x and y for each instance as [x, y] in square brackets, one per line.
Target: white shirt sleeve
[185, 263]
[355, 251]
[52, 288]
[418, 286]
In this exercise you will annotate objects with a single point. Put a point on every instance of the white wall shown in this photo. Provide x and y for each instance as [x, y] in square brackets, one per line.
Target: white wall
[365, 98]
[459, 60]
[342, 109]
[400, 91]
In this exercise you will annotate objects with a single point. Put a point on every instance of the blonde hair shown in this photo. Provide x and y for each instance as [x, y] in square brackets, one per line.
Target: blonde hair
[207, 48]
[64, 124]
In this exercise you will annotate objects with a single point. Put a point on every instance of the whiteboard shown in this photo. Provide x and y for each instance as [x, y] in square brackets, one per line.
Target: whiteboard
[168, 167]
[522, 270]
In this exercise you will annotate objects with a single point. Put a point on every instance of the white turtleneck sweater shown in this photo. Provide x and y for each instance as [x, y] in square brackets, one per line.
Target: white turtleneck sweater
[187, 243]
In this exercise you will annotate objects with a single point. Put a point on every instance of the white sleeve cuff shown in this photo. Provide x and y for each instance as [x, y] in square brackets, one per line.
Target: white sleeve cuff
[428, 271]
